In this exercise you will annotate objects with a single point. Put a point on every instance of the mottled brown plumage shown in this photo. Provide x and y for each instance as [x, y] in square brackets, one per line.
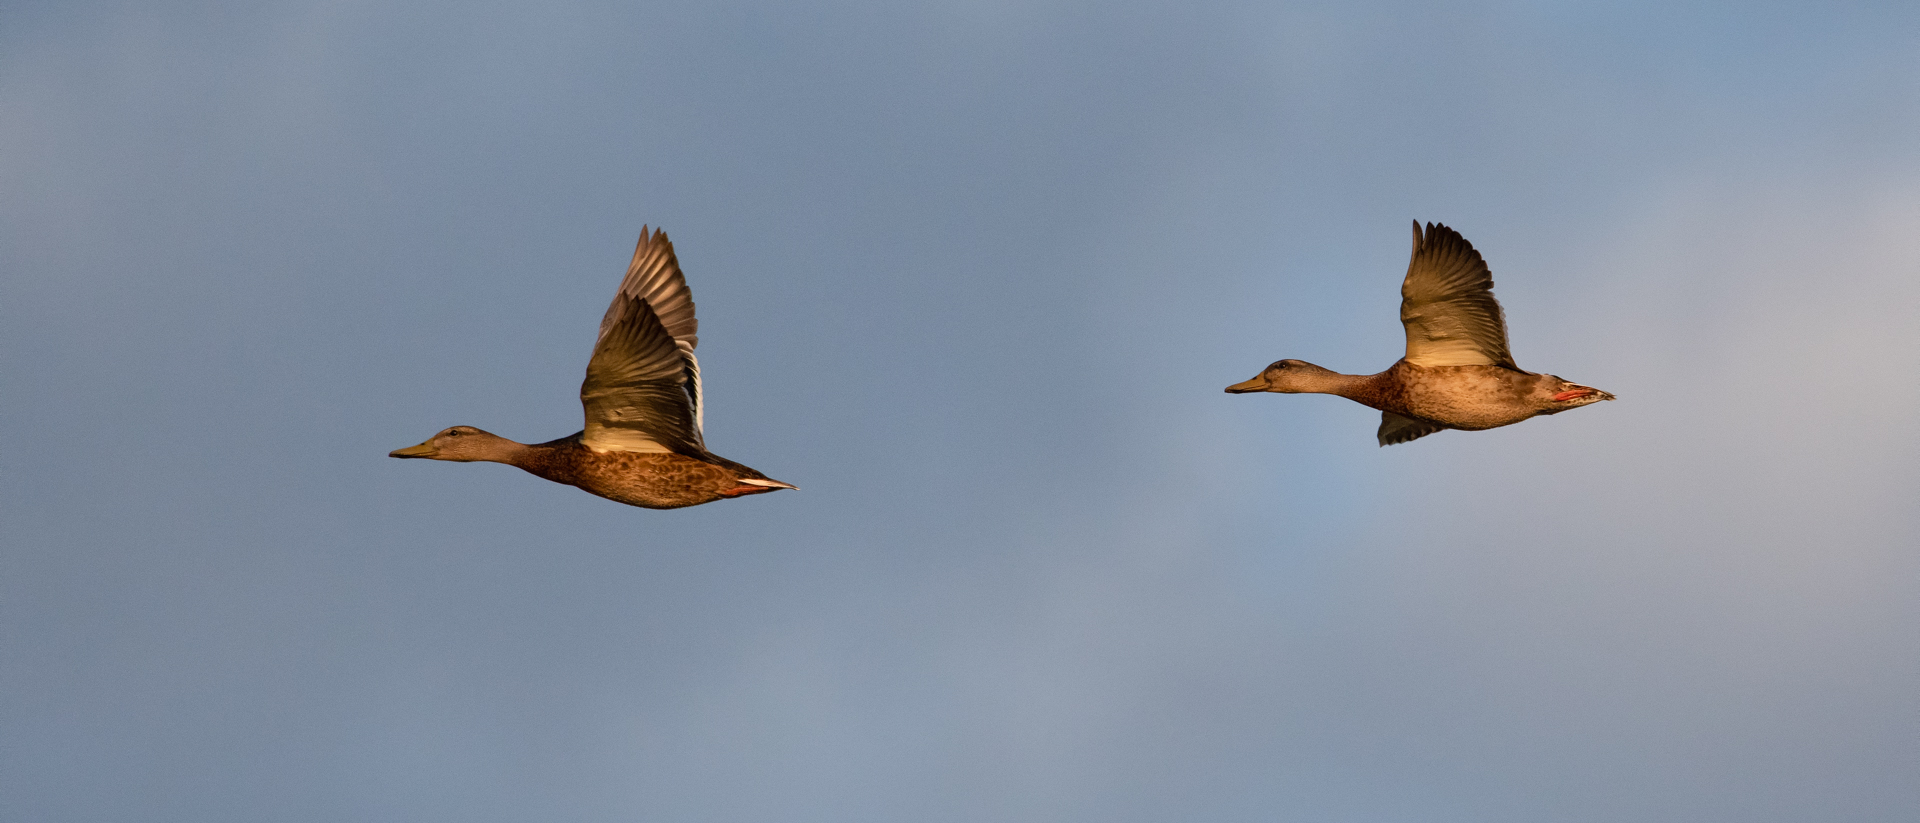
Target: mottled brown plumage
[642, 444]
[1458, 373]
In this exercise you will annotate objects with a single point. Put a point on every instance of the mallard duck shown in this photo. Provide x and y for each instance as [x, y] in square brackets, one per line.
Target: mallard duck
[642, 445]
[1457, 373]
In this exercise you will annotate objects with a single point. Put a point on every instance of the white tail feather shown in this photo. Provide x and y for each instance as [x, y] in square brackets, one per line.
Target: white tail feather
[771, 483]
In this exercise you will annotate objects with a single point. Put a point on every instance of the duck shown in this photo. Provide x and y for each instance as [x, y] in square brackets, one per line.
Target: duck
[642, 444]
[1458, 372]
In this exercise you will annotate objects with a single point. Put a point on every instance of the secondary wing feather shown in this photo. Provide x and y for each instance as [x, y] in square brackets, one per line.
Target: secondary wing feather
[1395, 429]
[639, 388]
[1447, 304]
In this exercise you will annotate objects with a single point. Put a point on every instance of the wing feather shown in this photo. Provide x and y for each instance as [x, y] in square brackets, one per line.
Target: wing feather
[654, 277]
[638, 393]
[1395, 429]
[1447, 305]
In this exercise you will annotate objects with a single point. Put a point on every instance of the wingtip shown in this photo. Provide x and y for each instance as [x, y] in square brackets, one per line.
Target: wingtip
[639, 249]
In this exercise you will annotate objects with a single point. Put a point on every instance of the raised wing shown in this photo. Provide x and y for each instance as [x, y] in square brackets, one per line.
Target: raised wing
[636, 391]
[642, 391]
[654, 278]
[1447, 304]
[1396, 429]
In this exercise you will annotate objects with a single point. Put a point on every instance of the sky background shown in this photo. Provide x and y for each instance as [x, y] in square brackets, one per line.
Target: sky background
[973, 276]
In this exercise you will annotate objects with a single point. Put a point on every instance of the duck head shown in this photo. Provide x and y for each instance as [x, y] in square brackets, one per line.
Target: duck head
[461, 444]
[1290, 377]
[1552, 394]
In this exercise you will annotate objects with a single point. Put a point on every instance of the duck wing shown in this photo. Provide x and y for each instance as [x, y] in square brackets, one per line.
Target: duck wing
[1395, 429]
[1447, 304]
[654, 276]
[642, 391]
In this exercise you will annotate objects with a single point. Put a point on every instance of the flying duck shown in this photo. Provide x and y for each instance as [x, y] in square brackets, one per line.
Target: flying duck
[642, 445]
[1457, 373]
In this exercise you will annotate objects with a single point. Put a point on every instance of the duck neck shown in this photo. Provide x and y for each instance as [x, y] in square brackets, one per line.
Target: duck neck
[1365, 389]
[1326, 381]
[553, 460]
[496, 449]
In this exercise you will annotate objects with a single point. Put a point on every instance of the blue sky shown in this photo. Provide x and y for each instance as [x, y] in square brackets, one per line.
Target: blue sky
[972, 275]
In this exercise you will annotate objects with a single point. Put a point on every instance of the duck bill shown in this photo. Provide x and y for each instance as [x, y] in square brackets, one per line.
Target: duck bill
[1257, 384]
[422, 450]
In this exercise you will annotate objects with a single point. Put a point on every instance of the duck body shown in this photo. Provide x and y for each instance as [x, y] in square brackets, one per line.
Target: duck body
[1457, 373]
[1469, 398]
[653, 480]
[643, 444]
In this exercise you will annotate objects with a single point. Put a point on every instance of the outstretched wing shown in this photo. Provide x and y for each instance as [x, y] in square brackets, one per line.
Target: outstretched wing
[654, 278]
[642, 391]
[1447, 304]
[1395, 429]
